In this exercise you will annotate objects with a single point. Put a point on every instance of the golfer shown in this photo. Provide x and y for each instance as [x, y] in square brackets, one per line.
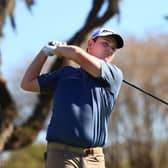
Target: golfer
[83, 98]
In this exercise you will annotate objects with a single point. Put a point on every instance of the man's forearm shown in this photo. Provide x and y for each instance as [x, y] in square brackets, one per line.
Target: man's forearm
[88, 62]
[29, 81]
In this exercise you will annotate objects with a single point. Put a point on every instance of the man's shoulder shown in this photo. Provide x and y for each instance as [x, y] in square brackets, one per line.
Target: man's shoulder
[112, 67]
[111, 74]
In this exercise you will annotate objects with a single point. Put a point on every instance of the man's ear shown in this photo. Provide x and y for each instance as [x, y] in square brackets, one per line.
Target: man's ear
[90, 44]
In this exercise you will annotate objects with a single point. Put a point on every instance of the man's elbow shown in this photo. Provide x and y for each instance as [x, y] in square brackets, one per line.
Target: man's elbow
[24, 85]
[31, 86]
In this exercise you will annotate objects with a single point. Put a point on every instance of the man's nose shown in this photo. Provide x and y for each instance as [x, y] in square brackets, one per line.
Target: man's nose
[110, 49]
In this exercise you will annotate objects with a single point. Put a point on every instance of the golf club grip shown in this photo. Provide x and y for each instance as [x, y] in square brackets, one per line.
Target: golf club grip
[144, 91]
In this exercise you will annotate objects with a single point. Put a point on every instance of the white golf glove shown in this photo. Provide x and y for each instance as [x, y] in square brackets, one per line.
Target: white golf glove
[51, 46]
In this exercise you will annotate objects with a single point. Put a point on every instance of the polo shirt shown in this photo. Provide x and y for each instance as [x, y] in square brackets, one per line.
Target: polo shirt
[81, 104]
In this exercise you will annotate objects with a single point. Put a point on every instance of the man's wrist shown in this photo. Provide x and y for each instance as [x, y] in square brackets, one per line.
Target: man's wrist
[48, 51]
[50, 48]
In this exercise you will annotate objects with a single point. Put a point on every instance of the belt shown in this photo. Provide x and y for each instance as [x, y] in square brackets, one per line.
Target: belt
[84, 151]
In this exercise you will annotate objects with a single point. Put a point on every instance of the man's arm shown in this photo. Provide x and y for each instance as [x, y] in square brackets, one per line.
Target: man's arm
[29, 81]
[88, 62]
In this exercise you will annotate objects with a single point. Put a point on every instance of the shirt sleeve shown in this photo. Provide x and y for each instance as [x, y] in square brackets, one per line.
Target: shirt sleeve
[112, 75]
[48, 82]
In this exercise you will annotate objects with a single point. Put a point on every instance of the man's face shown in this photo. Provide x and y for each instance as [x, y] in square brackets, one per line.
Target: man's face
[103, 47]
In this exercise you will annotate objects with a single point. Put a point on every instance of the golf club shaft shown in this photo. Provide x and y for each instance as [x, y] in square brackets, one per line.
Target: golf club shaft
[148, 93]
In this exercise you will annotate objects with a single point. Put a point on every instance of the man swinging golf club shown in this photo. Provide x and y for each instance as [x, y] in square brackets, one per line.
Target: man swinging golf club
[83, 98]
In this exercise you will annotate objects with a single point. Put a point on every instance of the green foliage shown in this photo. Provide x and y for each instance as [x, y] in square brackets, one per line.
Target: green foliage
[24, 132]
[29, 157]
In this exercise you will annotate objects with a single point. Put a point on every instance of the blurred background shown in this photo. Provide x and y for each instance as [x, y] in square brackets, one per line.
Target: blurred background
[138, 130]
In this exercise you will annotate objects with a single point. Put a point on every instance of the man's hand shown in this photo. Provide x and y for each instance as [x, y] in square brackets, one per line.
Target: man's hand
[49, 49]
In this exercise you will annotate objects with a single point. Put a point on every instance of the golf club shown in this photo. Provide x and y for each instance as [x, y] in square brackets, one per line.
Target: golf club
[145, 92]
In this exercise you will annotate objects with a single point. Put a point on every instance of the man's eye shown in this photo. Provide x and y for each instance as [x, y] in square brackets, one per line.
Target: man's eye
[105, 44]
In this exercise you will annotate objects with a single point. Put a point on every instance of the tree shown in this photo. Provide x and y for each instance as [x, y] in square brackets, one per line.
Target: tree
[133, 133]
[139, 123]
[25, 134]
[136, 141]
[29, 157]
